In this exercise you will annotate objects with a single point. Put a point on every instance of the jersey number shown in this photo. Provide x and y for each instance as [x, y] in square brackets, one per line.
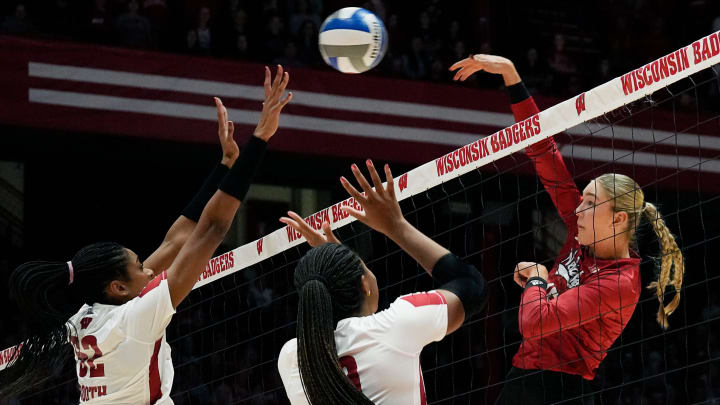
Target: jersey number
[349, 364]
[89, 341]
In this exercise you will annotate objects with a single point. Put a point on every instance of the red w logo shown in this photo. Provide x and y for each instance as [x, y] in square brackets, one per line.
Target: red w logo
[403, 182]
[580, 103]
[259, 245]
[85, 322]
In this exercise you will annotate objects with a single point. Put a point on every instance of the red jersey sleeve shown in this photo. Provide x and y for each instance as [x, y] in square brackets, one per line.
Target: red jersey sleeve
[550, 167]
[606, 295]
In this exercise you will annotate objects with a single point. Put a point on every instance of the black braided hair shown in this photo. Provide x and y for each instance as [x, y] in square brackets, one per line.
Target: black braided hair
[46, 301]
[328, 280]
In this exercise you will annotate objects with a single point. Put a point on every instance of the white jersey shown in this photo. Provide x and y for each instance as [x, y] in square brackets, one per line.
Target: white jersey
[380, 353]
[120, 350]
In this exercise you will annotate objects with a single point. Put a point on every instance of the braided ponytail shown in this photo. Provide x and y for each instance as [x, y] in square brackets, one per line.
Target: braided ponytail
[672, 258]
[628, 197]
[328, 280]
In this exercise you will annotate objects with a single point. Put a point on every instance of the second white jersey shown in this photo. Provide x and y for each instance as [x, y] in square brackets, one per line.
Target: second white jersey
[380, 353]
[120, 350]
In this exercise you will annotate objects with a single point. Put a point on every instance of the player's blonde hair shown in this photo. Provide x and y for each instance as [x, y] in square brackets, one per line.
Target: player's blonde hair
[628, 197]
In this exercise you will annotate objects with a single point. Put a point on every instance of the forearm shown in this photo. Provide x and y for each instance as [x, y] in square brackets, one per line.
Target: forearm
[210, 231]
[424, 250]
[181, 229]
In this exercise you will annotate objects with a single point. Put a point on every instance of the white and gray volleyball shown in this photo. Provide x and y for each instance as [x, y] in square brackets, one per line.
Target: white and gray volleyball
[353, 40]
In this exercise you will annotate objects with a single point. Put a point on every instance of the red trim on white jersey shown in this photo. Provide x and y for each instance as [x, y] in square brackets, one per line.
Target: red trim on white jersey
[423, 399]
[154, 380]
[153, 283]
[423, 299]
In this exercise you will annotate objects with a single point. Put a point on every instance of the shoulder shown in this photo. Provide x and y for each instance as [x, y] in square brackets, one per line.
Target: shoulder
[421, 299]
[288, 354]
[154, 283]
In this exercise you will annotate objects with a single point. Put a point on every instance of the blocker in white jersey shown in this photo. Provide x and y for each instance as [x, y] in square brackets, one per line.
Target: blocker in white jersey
[380, 353]
[120, 350]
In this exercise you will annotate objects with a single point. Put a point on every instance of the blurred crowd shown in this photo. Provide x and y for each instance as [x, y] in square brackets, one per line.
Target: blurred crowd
[560, 49]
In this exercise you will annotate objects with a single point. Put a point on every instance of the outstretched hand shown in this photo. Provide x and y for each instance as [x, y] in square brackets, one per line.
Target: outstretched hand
[380, 208]
[489, 63]
[314, 238]
[226, 129]
[273, 104]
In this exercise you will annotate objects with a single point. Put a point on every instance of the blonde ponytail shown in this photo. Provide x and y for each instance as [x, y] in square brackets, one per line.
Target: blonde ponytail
[671, 257]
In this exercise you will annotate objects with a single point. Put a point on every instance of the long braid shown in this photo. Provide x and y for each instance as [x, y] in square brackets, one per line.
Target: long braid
[46, 300]
[672, 259]
[328, 279]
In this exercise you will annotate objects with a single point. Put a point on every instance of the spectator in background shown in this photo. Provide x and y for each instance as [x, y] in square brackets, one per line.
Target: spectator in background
[289, 57]
[307, 44]
[559, 61]
[453, 34]
[415, 62]
[17, 23]
[534, 71]
[133, 30]
[242, 48]
[428, 35]
[561, 66]
[438, 72]
[199, 39]
[274, 38]
[99, 22]
[301, 15]
[157, 13]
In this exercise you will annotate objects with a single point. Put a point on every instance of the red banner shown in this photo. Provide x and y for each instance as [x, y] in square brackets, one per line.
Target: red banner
[105, 90]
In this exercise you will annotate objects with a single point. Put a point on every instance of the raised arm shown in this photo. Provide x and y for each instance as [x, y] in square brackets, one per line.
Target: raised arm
[549, 164]
[181, 229]
[462, 286]
[218, 214]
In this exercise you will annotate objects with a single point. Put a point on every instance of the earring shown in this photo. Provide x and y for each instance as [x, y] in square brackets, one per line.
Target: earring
[368, 293]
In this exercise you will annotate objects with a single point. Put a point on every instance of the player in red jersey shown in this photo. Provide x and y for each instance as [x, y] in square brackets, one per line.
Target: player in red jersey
[570, 316]
[346, 353]
[112, 308]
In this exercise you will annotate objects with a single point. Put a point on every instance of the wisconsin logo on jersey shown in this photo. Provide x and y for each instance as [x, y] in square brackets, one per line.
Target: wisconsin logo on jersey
[569, 269]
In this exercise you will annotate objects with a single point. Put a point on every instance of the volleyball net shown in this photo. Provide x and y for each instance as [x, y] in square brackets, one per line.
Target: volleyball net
[659, 124]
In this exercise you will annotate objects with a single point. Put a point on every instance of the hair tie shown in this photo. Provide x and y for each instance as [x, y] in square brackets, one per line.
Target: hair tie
[71, 271]
[318, 277]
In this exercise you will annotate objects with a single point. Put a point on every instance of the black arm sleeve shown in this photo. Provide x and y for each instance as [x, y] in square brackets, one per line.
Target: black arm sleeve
[517, 92]
[237, 181]
[463, 280]
[196, 206]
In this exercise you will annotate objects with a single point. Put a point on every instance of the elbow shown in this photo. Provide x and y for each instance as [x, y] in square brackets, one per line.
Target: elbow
[217, 228]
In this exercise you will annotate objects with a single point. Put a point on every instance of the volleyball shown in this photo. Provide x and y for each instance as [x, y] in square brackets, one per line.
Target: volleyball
[353, 40]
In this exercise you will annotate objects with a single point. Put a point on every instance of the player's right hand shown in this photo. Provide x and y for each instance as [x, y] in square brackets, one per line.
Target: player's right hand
[475, 63]
[527, 270]
[226, 130]
[274, 103]
[314, 238]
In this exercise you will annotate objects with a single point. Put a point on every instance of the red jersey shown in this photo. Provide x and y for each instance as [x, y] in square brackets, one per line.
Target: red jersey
[569, 326]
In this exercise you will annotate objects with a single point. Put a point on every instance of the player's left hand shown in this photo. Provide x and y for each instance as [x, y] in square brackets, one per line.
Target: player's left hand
[226, 129]
[314, 238]
[527, 270]
[380, 208]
